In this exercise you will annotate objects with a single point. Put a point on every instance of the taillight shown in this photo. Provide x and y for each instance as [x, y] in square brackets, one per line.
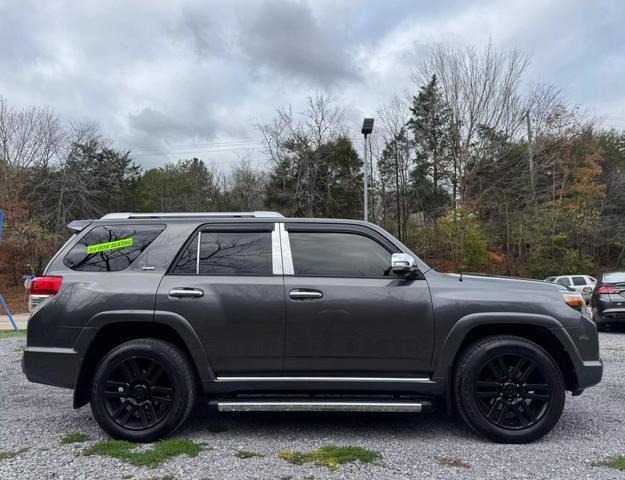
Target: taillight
[45, 285]
[606, 290]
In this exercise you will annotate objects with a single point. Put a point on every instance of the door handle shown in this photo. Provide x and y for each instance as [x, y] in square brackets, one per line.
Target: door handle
[304, 294]
[183, 292]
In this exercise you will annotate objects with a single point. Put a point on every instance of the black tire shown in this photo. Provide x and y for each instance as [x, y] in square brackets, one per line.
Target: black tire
[515, 401]
[143, 390]
[602, 327]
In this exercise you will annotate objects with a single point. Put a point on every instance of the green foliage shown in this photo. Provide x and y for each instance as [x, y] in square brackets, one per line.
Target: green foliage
[5, 455]
[323, 181]
[331, 456]
[617, 462]
[128, 452]
[12, 333]
[245, 454]
[74, 438]
[187, 185]
[475, 248]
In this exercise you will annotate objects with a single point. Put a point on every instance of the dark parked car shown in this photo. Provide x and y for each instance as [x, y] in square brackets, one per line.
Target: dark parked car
[608, 300]
[254, 311]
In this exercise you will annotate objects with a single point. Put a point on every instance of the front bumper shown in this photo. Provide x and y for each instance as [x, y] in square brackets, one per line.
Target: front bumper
[52, 366]
[589, 374]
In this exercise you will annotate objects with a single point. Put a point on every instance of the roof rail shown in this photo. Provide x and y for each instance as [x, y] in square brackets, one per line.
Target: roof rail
[128, 215]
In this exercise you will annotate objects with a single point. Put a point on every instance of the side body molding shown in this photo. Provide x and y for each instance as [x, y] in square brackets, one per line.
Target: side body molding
[461, 329]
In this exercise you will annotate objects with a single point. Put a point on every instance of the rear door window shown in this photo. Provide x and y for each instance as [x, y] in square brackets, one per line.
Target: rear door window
[564, 281]
[111, 248]
[227, 253]
[579, 281]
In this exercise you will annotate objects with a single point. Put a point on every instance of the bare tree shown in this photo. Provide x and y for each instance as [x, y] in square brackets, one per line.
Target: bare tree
[30, 136]
[481, 88]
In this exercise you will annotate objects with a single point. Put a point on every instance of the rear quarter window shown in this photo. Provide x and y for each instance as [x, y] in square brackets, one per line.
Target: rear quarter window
[111, 248]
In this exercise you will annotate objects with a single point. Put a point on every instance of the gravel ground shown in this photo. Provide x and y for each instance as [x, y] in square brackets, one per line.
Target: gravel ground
[592, 428]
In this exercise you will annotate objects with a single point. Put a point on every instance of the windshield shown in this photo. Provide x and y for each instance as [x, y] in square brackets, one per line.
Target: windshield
[614, 277]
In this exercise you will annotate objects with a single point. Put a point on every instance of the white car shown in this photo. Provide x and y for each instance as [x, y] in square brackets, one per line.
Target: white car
[583, 284]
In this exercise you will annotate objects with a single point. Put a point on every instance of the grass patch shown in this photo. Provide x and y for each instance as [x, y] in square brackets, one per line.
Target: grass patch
[247, 454]
[453, 462]
[5, 455]
[166, 477]
[331, 456]
[617, 462]
[217, 429]
[12, 333]
[74, 438]
[160, 451]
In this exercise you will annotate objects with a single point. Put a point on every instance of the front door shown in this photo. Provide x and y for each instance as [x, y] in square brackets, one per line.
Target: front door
[227, 284]
[347, 315]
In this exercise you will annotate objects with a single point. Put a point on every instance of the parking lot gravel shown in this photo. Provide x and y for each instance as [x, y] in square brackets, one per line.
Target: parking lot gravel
[34, 418]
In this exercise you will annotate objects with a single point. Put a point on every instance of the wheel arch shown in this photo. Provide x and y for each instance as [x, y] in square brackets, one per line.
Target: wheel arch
[109, 329]
[543, 330]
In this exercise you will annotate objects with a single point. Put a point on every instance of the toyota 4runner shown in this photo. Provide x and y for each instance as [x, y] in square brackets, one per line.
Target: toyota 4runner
[140, 314]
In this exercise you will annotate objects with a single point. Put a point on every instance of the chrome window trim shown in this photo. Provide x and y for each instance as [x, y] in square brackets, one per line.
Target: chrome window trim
[287, 258]
[276, 250]
[197, 260]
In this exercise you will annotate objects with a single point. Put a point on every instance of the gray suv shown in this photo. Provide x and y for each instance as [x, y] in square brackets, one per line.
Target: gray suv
[140, 314]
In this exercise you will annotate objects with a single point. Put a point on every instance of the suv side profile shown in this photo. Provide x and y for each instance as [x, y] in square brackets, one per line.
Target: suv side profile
[256, 312]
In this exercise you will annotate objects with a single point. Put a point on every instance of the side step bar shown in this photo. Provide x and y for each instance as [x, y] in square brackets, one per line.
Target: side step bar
[323, 406]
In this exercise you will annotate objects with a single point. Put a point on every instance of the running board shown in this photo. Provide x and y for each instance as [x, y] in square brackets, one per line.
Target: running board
[323, 406]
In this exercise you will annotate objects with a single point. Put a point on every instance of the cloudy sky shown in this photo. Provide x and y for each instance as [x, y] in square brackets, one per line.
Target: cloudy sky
[196, 76]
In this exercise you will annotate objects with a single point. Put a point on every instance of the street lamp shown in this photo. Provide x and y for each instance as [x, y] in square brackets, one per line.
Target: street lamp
[367, 128]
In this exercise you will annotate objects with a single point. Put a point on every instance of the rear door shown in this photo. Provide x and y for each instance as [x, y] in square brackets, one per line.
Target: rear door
[347, 315]
[227, 283]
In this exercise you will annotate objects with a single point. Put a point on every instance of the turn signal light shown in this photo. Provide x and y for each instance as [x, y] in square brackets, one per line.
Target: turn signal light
[45, 285]
[575, 301]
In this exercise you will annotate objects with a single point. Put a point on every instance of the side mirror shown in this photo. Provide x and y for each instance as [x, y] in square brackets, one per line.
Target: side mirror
[587, 290]
[402, 264]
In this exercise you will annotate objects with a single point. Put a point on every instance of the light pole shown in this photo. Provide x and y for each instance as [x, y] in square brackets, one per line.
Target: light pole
[367, 128]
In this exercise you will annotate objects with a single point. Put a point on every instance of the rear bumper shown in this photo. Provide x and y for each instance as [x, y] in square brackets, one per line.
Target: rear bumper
[610, 315]
[51, 366]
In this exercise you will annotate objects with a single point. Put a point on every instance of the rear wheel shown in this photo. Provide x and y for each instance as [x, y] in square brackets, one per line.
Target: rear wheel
[142, 390]
[509, 389]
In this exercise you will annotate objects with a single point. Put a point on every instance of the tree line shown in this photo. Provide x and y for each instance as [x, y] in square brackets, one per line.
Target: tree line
[476, 170]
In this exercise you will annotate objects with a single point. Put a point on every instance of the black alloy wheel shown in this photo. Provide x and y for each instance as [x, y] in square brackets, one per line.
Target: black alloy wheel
[143, 390]
[512, 392]
[508, 388]
[138, 393]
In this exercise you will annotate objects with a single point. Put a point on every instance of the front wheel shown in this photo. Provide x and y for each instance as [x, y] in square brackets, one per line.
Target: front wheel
[142, 390]
[508, 389]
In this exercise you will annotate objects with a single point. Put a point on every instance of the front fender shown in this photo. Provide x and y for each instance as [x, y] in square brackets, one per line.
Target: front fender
[463, 327]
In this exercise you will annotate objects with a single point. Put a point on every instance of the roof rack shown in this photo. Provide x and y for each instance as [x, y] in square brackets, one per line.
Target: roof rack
[256, 214]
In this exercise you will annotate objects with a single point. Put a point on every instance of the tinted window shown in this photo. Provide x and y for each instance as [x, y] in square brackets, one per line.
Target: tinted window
[550, 279]
[111, 248]
[578, 281]
[564, 281]
[614, 277]
[187, 263]
[338, 254]
[228, 253]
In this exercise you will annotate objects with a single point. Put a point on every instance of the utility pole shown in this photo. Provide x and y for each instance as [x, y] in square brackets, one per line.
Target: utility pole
[530, 152]
[367, 128]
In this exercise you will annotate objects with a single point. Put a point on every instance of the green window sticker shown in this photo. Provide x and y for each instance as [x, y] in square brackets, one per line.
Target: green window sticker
[107, 246]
